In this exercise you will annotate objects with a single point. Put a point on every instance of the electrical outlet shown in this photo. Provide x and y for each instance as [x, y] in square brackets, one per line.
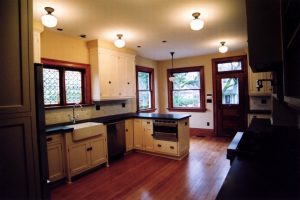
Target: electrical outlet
[207, 123]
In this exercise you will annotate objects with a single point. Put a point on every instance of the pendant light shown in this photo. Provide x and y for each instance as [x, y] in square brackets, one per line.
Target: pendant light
[223, 48]
[172, 78]
[120, 43]
[196, 24]
[48, 19]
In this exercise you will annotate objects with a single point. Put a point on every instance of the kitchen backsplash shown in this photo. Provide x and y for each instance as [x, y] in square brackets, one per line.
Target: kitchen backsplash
[55, 116]
[260, 103]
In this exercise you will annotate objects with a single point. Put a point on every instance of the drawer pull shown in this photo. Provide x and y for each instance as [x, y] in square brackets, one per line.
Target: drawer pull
[109, 82]
[49, 139]
[186, 123]
[89, 149]
[148, 122]
[126, 130]
[171, 147]
[159, 145]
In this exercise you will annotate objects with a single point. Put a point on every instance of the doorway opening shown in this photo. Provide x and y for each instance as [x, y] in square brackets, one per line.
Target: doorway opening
[230, 86]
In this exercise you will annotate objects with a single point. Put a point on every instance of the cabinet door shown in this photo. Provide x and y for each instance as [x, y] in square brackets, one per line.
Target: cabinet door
[109, 81]
[98, 151]
[55, 161]
[148, 138]
[79, 157]
[127, 75]
[138, 134]
[129, 134]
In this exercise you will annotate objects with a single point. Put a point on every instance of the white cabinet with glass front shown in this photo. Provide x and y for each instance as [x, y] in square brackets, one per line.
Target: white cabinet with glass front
[112, 73]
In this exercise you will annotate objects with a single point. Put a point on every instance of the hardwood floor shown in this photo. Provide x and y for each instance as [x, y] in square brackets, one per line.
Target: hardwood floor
[142, 176]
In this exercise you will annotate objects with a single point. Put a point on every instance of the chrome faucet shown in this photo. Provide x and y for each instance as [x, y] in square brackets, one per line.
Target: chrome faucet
[75, 117]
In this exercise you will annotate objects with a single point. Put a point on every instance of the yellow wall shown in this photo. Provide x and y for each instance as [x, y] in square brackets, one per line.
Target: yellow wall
[60, 47]
[198, 119]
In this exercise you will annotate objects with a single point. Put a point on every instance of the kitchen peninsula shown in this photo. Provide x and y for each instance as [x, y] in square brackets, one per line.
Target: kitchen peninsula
[165, 135]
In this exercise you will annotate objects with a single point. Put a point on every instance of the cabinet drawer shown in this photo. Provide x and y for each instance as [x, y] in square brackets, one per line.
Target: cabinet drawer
[166, 147]
[52, 139]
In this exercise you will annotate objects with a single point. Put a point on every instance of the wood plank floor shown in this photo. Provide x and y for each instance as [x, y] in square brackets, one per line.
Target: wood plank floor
[140, 176]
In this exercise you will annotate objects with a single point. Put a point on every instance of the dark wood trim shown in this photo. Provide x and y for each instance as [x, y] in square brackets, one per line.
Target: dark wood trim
[202, 89]
[86, 73]
[201, 132]
[243, 58]
[152, 88]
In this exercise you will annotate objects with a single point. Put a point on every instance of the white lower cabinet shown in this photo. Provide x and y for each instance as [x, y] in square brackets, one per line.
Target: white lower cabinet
[55, 150]
[143, 130]
[85, 154]
[166, 147]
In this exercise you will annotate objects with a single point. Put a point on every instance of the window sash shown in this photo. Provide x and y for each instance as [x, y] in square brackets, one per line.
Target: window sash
[198, 103]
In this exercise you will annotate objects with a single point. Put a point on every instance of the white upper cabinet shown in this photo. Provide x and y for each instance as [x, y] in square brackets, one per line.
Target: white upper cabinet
[112, 74]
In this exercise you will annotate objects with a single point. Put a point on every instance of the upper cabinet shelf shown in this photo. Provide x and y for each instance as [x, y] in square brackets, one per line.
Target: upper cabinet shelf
[264, 34]
[112, 74]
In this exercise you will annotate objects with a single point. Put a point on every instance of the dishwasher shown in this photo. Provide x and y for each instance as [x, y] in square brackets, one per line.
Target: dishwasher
[116, 140]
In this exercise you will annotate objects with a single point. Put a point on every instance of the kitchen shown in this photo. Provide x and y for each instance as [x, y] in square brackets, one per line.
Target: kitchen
[52, 45]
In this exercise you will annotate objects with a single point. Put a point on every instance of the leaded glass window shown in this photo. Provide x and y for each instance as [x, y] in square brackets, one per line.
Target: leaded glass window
[229, 66]
[51, 86]
[73, 85]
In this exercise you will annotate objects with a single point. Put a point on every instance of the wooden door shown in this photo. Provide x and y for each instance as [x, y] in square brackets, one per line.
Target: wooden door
[98, 151]
[79, 155]
[129, 134]
[138, 134]
[19, 163]
[231, 95]
[55, 162]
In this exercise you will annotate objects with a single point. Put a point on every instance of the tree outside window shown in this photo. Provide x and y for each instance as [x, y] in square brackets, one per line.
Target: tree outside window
[186, 92]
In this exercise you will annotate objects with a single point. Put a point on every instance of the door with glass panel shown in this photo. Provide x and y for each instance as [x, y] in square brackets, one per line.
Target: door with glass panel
[231, 90]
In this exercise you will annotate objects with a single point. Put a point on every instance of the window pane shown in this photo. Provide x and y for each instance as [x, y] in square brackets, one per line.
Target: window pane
[73, 86]
[144, 80]
[231, 66]
[230, 90]
[144, 100]
[186, 80]
[186, 98]
[51, 86]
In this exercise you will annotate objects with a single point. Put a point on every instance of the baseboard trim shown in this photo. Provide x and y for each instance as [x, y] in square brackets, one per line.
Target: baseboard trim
[201, 132]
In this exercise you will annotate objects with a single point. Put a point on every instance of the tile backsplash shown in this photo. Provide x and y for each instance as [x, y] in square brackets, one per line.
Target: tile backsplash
[61, 115]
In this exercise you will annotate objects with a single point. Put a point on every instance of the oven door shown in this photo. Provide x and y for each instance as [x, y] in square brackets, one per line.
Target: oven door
[165, 131]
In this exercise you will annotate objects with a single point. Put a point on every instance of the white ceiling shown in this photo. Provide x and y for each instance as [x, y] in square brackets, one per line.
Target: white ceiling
[148, 22]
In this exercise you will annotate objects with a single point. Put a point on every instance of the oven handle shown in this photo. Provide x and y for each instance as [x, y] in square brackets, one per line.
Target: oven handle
[155, 124]
[168, 133]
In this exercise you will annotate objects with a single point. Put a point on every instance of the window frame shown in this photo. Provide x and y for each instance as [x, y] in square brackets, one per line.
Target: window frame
[62, 66]
[202, 107]
[150, 71]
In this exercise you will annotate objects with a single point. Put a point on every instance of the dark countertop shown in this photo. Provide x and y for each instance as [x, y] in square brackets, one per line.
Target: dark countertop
[266, 112]
[267, 164]
[61, 128]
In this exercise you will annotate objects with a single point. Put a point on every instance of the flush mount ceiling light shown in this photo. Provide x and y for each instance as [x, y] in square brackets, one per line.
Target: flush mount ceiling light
[120, 43]
[196, 24]
[49, 20]
[223, 48]
[172, 77]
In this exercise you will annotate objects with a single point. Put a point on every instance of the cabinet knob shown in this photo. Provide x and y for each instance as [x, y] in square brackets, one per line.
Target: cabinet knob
[109, 82]
[159, 145]
[126, 130]
[148, 122]
[128, 83]
[49, 139]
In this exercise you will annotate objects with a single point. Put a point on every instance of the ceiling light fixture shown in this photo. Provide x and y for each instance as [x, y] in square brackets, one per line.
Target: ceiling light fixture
[196, 24]
[120, 43]
[223, 48]
[48, 19]
[172, 77]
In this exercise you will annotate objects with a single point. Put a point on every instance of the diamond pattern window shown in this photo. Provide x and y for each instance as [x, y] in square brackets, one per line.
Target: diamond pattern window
[51, 86]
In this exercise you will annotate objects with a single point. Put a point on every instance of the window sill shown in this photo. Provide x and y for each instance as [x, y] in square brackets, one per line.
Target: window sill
[187, 109]
[147, 111]
[64, 106]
